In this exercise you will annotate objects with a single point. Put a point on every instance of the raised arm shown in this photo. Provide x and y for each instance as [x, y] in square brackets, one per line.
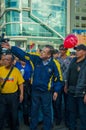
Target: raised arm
[22, 55]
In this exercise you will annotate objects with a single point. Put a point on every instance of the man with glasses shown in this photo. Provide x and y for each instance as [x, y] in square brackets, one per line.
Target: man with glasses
[9, 95]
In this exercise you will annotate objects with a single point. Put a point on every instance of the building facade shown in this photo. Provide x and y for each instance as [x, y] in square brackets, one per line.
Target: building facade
[77, 19]
[33, 21]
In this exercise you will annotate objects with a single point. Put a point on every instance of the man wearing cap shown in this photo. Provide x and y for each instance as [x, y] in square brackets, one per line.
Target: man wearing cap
[76, 88]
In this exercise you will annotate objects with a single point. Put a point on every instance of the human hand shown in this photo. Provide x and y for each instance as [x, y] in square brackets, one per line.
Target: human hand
[55, 96]
[21, 98]
[65, 89]
[6, 45]
[85, 98]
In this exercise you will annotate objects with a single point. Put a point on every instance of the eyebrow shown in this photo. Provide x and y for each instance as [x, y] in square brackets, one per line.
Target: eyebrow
[7, 59]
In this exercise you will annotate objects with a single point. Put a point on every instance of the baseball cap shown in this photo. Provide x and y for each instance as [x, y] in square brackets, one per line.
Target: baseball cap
[80, 47]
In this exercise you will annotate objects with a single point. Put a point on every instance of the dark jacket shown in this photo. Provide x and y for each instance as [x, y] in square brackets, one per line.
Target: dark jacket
[80, 89]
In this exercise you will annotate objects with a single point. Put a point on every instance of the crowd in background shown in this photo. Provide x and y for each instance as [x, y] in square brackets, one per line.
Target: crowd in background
[65, 78]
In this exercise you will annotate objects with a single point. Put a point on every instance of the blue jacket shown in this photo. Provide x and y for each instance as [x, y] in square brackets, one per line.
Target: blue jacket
[45, 77]
[27, 70]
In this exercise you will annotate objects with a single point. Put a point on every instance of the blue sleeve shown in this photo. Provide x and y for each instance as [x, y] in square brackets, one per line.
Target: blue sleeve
[26, 57]
[58, 86]
[28, 71]
[57, 80]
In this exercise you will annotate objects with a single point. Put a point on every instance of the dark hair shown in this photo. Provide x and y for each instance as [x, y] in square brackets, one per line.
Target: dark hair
[51, 49]
[55, 51]
[62, 47]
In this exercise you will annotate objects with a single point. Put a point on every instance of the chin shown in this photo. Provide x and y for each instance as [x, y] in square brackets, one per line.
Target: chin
[41, 57]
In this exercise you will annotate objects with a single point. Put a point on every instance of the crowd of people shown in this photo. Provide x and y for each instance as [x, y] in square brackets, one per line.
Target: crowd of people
[46, 83]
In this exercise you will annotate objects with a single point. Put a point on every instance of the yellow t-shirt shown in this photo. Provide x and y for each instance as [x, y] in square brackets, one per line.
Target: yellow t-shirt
[13, 81]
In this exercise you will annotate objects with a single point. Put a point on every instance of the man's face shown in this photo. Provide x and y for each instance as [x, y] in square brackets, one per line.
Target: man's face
[45, 53]
[23, 63]
[80, 53]
[8, 61]
[62, 51]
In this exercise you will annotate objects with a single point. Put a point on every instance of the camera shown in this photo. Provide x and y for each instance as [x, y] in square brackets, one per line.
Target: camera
[3, 40]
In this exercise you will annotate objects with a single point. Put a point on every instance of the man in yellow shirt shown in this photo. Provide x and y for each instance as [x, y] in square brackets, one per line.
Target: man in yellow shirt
[9, 96]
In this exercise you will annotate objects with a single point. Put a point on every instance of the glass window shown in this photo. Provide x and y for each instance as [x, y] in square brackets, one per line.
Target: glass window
[26, 3]
[4, 29]
[35, 30]
[26, 17]
[2, 20]
[77, 25]
[76, 2]
[83, 18]
[77, 9]
[12, 3]
[13, 29]
[83, 25]
[83, 10]
[12, 16]
[77, 17]
[51, 12]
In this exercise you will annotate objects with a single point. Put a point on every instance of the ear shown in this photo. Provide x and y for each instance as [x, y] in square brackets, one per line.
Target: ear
[84, 52]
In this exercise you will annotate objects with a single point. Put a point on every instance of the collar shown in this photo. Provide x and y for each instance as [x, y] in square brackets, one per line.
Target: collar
[47, 61]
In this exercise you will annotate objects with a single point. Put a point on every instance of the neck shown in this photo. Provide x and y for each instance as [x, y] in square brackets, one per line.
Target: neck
[80, 59]
[46, 59]
[8, 67]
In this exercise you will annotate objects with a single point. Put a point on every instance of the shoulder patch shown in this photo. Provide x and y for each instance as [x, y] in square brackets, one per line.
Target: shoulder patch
[27, 58]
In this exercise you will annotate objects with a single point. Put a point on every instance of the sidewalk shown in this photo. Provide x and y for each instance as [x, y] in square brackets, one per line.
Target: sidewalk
[60, 127]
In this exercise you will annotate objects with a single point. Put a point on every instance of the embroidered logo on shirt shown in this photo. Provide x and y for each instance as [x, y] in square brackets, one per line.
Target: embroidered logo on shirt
[10, 79]
[49, 70]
